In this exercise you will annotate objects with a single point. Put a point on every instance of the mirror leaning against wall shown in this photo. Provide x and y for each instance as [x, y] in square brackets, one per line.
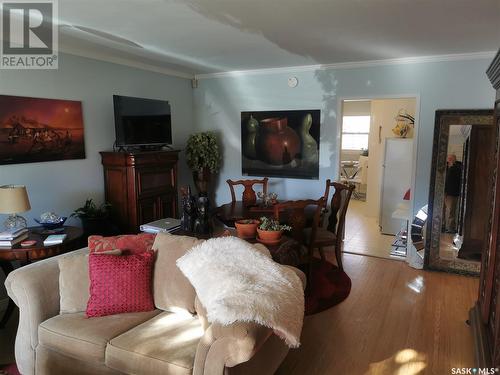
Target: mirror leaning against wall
[461, 190]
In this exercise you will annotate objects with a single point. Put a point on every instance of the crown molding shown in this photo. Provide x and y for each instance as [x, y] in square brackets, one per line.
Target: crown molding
[123, 61]
[352, 65]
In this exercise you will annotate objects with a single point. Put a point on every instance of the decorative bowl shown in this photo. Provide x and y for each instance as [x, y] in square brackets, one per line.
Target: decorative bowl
[52, 225]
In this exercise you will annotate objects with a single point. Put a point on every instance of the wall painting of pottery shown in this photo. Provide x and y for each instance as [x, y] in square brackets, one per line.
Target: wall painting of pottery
[281, 143]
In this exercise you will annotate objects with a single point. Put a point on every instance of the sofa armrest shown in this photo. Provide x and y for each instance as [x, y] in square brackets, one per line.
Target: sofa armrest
[35, 290]
[299, 273]
[228, 346]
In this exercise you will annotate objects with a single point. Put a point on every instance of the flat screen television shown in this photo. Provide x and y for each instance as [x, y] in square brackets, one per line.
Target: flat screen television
[142, 122]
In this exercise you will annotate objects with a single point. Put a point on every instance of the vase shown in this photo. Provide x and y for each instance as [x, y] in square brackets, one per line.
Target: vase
[202, 180]
[249, 198]
[309, 150]
[101, 226]
[250, 138]
[277, 144]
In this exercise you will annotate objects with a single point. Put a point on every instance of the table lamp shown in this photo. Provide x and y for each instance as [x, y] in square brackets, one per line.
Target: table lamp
[13, 200]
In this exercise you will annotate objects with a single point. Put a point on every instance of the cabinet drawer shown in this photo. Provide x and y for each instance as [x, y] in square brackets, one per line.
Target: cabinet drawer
[154, 158]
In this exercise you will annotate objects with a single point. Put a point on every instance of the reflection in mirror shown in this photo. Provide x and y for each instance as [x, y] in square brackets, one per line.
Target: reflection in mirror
[461, 190]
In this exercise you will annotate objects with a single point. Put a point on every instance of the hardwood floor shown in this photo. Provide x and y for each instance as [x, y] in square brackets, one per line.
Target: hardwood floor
[397, 320]
[362, 233]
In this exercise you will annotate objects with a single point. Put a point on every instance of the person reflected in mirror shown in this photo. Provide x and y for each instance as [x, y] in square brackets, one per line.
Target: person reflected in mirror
[452, 192]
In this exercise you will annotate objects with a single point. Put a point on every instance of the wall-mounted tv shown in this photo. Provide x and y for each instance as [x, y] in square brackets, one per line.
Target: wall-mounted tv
[142, 122]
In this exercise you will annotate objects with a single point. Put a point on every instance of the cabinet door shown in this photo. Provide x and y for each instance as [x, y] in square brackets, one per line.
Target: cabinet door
[167, 206]
[494, 295]
[489, 290]
[147, 210]
[157, 180]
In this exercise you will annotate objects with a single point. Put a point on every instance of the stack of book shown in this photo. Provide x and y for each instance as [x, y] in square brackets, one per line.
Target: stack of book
[12, 237]
[167, 225]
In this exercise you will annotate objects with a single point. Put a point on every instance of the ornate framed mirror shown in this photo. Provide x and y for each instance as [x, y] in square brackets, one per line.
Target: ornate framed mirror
[461, 190]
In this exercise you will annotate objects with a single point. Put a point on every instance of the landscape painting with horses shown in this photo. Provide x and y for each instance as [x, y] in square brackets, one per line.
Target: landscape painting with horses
[35, 130]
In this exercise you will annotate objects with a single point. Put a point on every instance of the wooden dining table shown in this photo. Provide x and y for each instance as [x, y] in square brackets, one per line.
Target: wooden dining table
[230, 212]
[285, 252]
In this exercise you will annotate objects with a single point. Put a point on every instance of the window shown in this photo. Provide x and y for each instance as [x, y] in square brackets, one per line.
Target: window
[355, 132]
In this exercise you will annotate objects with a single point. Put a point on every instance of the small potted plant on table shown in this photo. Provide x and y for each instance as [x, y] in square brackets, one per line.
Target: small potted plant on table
[246, 228]
[270, 230]
[203, 158]
[95, 219]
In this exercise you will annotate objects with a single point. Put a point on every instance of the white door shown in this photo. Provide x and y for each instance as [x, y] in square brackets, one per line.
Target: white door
[396, 180]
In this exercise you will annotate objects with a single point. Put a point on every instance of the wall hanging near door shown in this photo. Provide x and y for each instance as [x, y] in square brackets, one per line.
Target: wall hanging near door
[404, 124]
[35, 130]
[281, 143]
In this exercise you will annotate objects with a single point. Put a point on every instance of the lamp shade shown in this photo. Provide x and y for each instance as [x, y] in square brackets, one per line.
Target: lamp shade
[13, 199]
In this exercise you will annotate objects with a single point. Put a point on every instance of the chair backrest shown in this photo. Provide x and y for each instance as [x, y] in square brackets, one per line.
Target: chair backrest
[338, 206]
[296, 216]
[248, 185]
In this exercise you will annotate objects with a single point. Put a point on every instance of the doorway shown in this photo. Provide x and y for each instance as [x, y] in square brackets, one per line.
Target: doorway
[377, 156]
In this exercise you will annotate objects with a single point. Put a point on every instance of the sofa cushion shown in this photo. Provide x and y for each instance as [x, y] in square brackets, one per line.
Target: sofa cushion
[171, 289]
[83, 338]
[165, 344]
[133, 243]
[74, 282]
[120, 284]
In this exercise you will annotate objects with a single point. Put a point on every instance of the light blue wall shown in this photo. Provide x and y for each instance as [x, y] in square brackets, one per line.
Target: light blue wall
[63, 186]
[441, 85]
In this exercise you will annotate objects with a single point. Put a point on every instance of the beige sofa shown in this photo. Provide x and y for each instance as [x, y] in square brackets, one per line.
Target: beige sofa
[163, 341]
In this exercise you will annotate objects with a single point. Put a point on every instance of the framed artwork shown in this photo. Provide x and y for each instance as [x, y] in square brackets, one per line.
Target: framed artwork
[281, 143]
[35, 129]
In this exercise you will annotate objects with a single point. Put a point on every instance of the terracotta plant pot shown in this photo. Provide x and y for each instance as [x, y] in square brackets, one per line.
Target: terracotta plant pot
[276, 143]
[269, 235]
[247, 228]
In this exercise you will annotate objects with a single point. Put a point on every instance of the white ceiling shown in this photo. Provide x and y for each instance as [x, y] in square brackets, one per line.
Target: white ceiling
[205, 36]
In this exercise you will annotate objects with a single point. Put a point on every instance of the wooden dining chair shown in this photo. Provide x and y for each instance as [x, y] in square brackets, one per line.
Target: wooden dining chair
[248, 197]
[293, 213]
[333, 233]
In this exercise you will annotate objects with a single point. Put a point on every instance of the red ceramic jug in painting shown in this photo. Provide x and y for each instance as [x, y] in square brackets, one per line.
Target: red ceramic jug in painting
[277, 144]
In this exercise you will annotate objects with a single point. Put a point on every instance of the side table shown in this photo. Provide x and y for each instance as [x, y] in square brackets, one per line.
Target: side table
[38, 251]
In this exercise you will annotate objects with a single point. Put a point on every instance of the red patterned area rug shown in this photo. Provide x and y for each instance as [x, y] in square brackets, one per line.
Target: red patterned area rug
[328, 287]
[9, 369]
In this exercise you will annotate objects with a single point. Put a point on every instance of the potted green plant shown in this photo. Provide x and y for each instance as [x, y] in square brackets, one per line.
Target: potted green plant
[94, 218]
[270, 230]
[203, 158]
[246, 228]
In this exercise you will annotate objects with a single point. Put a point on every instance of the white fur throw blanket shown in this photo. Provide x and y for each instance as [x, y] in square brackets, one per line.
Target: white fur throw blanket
[236, 282]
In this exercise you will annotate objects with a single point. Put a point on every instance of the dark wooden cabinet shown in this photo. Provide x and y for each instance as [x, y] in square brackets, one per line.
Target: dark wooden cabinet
[485, 315]
[477, 194]
[141, 186]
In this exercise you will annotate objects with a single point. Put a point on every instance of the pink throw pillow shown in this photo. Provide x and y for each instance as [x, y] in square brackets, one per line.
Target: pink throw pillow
[131, 243]
[120, 284]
